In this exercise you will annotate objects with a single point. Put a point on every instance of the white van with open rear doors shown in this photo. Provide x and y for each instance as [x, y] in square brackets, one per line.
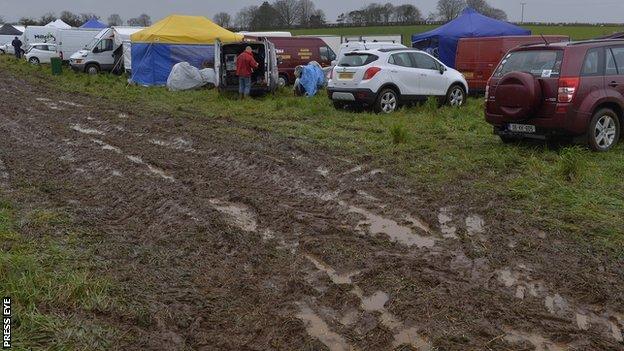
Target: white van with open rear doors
[264, 79]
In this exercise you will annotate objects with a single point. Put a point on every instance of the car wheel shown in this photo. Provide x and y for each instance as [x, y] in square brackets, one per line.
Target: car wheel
[456, 96]
[339, 105]
[282, 81]
[92, 69]
[387, 101]
[33, 61]
[604, 130]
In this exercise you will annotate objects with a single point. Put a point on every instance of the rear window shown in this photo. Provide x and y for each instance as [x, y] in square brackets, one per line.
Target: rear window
[539, 63]
[357, 60]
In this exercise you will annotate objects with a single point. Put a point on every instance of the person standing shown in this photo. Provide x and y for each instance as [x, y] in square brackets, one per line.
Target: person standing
[245, 64]
[17, 46]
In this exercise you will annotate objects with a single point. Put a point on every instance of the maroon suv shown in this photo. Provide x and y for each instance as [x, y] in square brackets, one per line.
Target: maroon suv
[572, 89]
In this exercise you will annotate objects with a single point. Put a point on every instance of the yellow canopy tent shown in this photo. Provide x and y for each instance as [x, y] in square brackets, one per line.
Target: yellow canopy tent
[156, 49]
[177, 29]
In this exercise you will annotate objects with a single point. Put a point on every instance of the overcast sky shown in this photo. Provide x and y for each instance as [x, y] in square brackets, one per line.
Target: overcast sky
[536, 10]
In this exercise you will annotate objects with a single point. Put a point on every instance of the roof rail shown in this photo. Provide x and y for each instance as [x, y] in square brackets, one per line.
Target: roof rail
[397, 49]
[596, 41]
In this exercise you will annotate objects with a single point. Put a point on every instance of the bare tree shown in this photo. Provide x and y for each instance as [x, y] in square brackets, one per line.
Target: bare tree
[407, 14]
[27, 21]
[305, 9]
[287, 10]
[245, 17]
[449, 9]
[142, 21]
[483, 7]
[87, 16]
[265, 17]
[223, 19]
[317, 19]
[47, 18]
[115, 20]
[71, 18]
[387, 11]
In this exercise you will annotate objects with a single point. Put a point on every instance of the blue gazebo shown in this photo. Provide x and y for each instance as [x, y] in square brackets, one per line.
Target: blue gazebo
[470, 24]
[94, 23]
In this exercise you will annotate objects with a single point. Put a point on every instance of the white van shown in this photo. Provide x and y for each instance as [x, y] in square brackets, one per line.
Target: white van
[265, 77]
[67, 41]
[110, 49]
[39, 34]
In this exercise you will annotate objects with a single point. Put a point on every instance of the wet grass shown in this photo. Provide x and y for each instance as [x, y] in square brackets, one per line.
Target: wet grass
[51, 291]
[576, 32]
[444, 152]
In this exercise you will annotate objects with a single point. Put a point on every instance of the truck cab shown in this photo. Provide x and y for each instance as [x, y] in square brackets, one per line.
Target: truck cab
[96, 56]
[265, 77]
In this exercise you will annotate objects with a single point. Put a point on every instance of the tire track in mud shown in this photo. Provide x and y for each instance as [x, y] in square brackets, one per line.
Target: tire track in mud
[141, 180]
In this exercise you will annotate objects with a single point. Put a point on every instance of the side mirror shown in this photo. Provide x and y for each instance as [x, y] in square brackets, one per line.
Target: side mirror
[334, 63]
[96, 50]
[442, 69]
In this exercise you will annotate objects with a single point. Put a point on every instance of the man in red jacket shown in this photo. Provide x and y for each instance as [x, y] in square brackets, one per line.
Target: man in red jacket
[245, 64]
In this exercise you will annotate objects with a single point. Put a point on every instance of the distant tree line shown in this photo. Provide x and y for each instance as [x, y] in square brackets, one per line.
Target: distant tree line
[303, 13]
[77, 20]
[280, 14]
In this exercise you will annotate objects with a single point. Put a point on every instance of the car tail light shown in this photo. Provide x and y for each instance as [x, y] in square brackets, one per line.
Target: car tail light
[567, 89]
[370, 73]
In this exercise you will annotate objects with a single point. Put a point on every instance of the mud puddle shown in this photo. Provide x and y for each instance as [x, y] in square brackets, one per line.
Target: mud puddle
[87, 131]
[537, 341]
[396, 232]
[240, 215]
[317, 328]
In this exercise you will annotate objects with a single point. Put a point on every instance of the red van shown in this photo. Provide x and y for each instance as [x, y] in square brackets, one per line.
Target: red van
[295, 51]
[478, 57]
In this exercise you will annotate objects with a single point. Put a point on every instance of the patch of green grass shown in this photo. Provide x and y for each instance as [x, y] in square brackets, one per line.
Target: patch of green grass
[399, 134]
[49, 290]
[438, 149]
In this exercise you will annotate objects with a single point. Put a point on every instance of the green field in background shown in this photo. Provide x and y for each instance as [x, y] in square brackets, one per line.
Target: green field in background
[575, 32]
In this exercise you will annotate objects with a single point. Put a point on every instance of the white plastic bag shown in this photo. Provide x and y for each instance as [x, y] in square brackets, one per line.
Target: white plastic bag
[183, 76]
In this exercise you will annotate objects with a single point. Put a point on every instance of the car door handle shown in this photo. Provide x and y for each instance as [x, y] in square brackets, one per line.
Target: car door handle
[613, 84]
[394, 71]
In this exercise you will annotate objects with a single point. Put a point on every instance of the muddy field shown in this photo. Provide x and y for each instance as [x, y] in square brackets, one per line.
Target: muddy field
[246, 241]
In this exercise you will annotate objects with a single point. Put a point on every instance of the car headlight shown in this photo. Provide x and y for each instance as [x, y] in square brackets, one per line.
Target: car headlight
[85, 55]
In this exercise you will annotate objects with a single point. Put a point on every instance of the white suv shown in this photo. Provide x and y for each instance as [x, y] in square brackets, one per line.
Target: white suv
[386, 78]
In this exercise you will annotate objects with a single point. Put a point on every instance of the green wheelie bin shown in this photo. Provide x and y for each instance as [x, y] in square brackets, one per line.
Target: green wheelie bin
[57, 65]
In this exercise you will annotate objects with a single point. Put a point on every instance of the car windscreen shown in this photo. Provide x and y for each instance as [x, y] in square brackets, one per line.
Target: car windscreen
[357, 60]
[539, 63]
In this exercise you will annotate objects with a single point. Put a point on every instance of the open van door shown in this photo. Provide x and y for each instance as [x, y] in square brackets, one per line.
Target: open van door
[217, 64]
[273, 71]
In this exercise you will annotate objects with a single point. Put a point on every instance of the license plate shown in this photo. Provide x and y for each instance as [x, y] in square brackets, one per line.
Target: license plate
[521, 128]
[468, 75]
[346, 75]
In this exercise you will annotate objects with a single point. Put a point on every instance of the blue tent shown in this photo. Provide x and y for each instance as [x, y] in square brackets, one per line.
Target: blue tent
[94, 23]
[442, 41]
